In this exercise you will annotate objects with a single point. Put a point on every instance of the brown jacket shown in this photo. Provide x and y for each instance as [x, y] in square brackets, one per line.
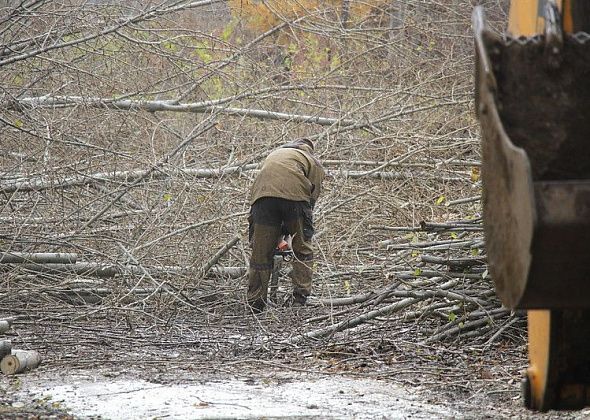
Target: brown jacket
[290, 173]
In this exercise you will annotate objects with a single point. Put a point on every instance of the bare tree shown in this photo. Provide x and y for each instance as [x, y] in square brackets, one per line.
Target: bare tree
[131, 132]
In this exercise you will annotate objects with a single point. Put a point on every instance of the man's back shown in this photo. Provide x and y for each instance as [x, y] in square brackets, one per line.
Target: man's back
[289, 173]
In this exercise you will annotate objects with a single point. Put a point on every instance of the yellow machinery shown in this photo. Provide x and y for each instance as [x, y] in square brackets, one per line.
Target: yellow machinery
[533, 102]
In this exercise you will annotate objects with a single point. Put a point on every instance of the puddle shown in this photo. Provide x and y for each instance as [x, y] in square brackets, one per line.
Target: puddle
[331, 397]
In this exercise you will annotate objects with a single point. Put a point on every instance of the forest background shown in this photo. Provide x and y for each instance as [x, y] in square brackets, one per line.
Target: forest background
[132, 130]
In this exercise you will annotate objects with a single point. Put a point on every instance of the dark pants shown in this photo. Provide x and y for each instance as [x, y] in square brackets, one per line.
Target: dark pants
[270, 218]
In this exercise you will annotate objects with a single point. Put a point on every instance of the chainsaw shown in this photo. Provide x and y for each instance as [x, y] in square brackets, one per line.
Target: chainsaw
[284, 249]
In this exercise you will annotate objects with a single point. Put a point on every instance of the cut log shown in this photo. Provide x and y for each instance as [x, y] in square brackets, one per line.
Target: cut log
[109, 270]
[38, 257]
[20, 361]
[5, 325]
[5, 348]
[460, 263]
[80, 268]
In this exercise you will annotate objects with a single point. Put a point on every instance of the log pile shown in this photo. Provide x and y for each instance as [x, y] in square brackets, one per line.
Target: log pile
[432, 272]
[435, 280]
[44, 263]
[87, 286]
[13, 361]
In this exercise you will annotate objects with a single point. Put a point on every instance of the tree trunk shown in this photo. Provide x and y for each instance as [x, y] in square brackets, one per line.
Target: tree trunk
[109, 270]
[345, 15]
[396, 29]
[40, 258]
[397, 18]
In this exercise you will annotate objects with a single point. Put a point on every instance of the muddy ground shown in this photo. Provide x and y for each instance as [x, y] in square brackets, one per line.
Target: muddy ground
[344, 380]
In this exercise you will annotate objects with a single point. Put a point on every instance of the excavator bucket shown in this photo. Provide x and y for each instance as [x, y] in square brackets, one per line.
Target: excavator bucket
[533, 101]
